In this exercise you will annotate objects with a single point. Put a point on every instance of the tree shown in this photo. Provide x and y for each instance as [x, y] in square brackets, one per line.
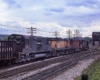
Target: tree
[5, 38]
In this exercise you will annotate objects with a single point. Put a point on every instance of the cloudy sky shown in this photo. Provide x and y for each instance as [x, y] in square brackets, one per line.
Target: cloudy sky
[49, 16]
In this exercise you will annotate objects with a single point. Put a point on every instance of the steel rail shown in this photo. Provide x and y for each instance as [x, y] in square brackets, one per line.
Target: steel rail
[56, 69]
[41, 64]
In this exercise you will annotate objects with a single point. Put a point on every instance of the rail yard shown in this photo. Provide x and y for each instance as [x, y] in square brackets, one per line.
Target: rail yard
[49, 40]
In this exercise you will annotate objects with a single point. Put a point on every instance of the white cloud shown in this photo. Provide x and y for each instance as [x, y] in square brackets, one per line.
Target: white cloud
[35, 8]
[87, 31]
[5, 14]
[46, 15]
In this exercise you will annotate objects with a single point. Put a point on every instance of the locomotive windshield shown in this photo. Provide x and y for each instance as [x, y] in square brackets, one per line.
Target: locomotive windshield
[16, 38]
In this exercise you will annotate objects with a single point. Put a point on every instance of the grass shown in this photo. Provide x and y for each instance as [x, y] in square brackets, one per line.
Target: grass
[93, 71]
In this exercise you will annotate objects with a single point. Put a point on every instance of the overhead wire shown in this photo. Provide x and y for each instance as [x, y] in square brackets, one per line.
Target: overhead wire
[11, 29]
[12, 26]
[42, 31]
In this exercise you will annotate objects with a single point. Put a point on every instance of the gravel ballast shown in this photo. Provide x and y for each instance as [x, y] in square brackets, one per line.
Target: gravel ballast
[75, 71]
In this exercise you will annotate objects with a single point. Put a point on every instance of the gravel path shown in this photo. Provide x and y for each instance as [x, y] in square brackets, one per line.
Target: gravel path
[75, 71]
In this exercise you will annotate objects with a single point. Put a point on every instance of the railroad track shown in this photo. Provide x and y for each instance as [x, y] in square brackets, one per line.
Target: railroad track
[34, 65]
[48, 73]
[40, 64]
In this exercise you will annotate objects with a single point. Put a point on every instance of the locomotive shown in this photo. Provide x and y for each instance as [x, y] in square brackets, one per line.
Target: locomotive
[21, 48]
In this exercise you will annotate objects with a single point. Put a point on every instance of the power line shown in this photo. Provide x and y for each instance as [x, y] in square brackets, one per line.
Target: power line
[23, 28]
[12, 26]
[45, 31]
[77, 33]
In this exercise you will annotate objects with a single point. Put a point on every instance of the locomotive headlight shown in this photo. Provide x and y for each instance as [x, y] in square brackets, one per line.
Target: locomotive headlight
[17, 40]
[39, 43]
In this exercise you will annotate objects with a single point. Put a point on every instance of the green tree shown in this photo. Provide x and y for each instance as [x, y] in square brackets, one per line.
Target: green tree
[5, 38]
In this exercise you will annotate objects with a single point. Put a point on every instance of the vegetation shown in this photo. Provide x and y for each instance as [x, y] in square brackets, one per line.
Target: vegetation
[87, 38]
[93, 71]
[5, 38]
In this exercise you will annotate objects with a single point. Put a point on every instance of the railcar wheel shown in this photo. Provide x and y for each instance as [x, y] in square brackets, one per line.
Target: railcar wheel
[32, 56]
[52, 54]
[47, 55]
[9, 62]
[58, 53]
[28, 58]
[2, 63]
[66, 52]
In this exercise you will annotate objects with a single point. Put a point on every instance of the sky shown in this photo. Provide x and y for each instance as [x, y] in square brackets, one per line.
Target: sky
[48, 16]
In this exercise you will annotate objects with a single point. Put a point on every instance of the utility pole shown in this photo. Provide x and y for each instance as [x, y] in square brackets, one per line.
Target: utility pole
[76, 33]
[69, 32]
[31, 30]
[56, 34]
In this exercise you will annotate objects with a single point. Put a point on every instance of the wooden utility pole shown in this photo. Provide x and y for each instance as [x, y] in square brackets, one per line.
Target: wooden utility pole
[69, 32]
[76, 33]
[31, 31]
[56, 34]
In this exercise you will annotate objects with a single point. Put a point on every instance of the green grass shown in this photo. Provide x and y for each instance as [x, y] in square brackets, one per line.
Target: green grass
[93, 71]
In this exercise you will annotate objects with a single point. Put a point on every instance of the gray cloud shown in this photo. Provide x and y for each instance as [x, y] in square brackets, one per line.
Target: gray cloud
[81, 2]
[12, 4]
[57, 9]
[10, 1]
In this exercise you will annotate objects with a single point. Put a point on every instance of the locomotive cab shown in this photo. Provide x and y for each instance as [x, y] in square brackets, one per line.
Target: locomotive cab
[20, 41]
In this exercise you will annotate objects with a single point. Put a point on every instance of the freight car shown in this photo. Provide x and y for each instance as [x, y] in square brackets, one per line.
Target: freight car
[28, 48]
[7, 49]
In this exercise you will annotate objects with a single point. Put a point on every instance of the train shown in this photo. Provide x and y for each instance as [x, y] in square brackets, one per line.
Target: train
[21, 48]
